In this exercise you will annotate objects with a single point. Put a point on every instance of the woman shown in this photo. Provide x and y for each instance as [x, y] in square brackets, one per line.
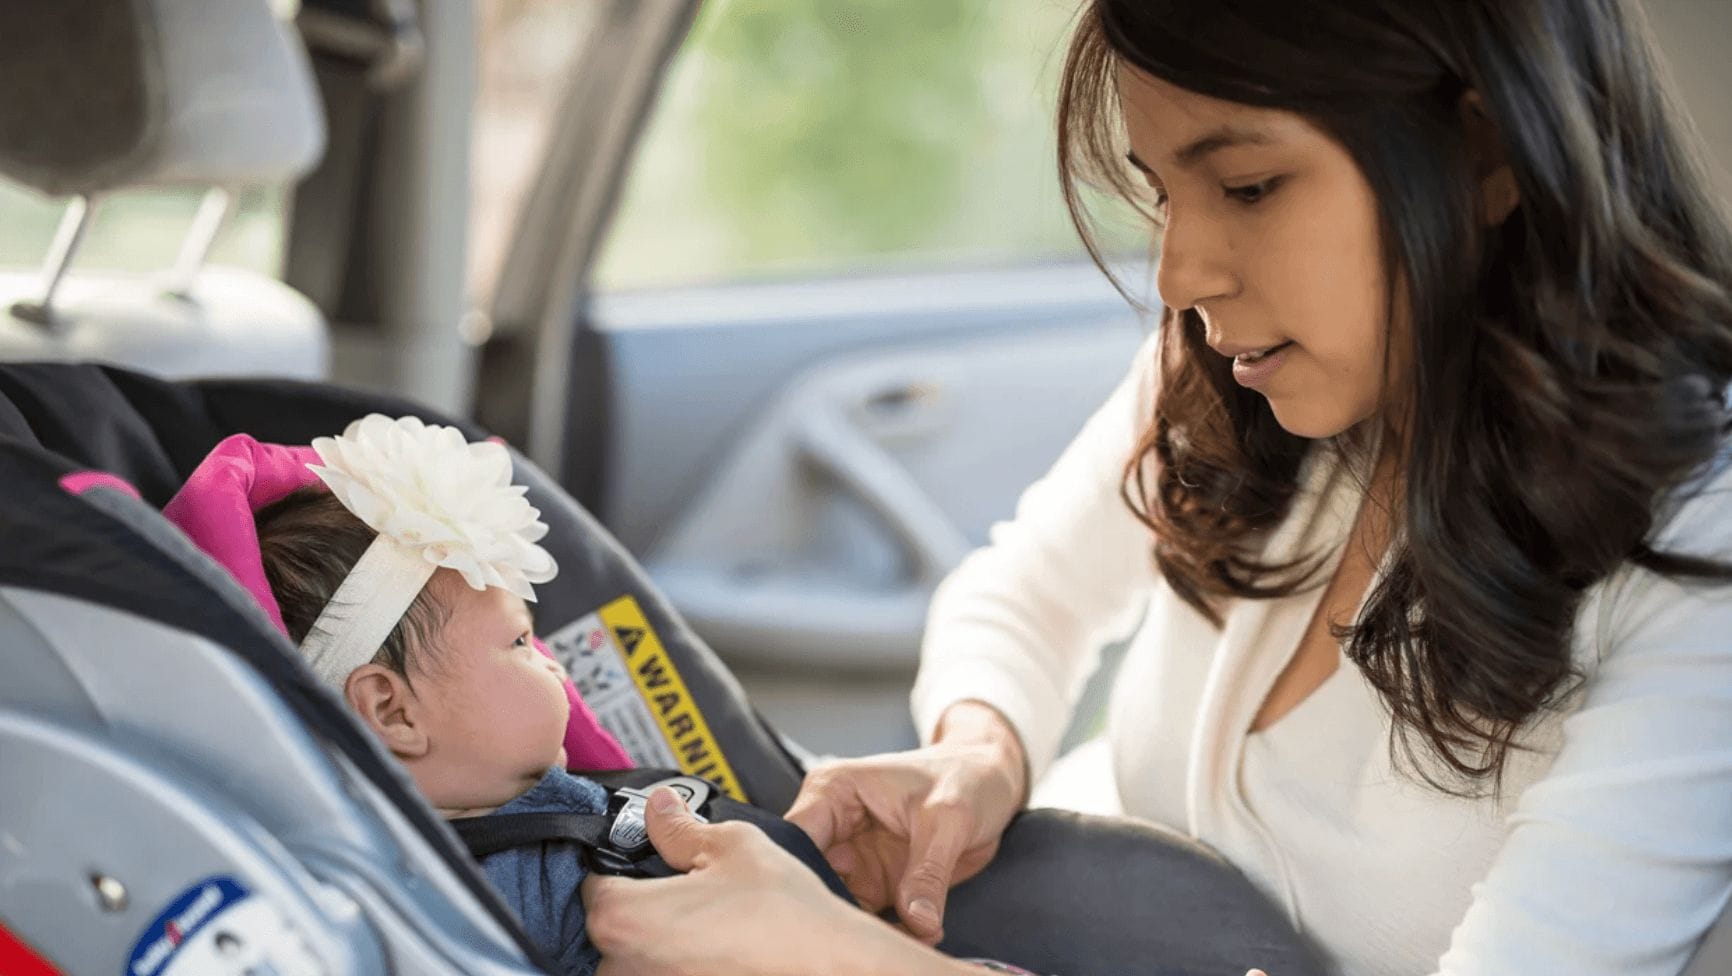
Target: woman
[1417, 491]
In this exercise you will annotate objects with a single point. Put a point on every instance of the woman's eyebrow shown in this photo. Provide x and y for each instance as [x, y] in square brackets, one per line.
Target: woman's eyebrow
[1194, 152]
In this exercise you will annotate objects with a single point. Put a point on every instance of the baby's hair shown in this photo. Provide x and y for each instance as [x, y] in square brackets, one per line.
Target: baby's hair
[309, 542]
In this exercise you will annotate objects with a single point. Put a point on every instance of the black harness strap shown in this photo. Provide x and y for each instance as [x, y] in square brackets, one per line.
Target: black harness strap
[500, 832]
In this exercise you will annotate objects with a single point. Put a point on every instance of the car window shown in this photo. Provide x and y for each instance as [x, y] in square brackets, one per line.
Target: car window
[799, 139]
[526, 50]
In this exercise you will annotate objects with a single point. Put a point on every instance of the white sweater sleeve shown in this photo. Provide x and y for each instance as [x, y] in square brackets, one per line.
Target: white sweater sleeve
[1620, 857]
[1019, 624]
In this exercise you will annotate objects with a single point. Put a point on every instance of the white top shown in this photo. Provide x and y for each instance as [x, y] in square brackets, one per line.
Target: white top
[1609, 853]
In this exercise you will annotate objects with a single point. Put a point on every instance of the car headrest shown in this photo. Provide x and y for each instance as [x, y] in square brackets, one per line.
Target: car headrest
[104, 94]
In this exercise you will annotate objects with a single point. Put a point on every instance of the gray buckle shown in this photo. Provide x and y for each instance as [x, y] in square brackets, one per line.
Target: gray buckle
[629, 834]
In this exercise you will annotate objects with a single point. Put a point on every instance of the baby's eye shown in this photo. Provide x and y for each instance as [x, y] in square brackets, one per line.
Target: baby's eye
[521, 641]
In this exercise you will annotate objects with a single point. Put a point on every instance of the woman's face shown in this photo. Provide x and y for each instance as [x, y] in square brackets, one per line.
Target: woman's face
[1270, 234]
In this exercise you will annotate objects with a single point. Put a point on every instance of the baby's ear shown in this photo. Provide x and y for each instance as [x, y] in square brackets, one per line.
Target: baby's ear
[381, 697]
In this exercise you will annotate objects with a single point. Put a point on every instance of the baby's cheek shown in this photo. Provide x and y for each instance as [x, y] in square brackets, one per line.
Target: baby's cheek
[554, 708]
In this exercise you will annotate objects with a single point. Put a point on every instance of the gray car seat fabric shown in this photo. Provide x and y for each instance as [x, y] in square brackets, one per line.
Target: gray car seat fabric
[139, 651]
[1073, 893]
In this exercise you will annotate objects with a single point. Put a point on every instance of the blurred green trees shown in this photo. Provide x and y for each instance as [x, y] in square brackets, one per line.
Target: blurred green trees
[844, 123]
[806, 137]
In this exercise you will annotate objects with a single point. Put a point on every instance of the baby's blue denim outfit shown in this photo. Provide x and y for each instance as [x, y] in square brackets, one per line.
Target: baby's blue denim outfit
[540, 882]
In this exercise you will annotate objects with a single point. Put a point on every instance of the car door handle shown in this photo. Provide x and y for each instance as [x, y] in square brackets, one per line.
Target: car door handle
[828, 441]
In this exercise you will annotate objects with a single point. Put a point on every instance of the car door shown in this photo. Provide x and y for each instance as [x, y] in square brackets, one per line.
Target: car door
[830, 322]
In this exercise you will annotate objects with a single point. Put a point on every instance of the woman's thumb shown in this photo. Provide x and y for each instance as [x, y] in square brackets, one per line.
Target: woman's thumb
[676, 834]
[934, 846]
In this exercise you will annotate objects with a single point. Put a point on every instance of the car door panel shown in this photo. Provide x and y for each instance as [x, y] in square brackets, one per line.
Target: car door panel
[799, 480]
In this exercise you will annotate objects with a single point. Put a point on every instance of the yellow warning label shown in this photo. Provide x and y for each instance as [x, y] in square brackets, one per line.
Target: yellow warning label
[659, 682]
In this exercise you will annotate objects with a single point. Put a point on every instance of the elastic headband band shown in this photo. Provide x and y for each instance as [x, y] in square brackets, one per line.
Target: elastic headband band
[364, 610]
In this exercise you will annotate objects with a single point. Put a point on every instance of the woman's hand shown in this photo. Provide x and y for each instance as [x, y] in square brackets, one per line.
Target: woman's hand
[746, 906]
[902, 828]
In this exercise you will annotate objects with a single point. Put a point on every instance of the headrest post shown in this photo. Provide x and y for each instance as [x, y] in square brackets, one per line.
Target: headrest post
[213, 212]
[73, 223]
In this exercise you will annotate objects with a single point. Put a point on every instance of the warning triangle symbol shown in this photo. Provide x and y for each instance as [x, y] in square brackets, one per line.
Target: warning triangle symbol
[629, 638]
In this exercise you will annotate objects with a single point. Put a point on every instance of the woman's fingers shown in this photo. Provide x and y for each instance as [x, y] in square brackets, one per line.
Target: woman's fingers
[828, 808]
[873, 875]
[677, 835]
[939, 836]
[615, 919]
[843, 858]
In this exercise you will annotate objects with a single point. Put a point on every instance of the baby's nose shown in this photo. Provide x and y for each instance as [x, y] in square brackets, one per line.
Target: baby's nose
[557, 669]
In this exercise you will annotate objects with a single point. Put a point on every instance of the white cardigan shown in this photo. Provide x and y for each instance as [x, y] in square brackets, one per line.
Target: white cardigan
[1609, 853]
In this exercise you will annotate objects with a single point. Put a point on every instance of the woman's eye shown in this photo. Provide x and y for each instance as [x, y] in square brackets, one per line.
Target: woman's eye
[1254, 192]
[1158, 206]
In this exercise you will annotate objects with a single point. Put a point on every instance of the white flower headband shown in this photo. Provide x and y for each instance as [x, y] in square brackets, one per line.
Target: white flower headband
[435, 500]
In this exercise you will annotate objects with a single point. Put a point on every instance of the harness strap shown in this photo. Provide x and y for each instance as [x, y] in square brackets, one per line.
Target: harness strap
[500, 832]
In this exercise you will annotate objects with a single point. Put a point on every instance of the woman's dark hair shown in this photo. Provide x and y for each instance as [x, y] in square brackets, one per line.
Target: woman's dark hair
[308, 542]
[1569, 366]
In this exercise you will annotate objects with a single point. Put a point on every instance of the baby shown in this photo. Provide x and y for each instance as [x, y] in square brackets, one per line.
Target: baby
[402, 580]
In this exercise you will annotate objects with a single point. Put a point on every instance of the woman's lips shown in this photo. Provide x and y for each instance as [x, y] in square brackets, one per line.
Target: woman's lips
[1253, 369]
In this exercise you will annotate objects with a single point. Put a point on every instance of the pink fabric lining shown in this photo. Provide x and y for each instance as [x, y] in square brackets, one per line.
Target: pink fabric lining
[79, 482]
[215, 508]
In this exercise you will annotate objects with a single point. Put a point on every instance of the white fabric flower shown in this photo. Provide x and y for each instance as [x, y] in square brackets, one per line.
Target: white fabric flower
[432, 492]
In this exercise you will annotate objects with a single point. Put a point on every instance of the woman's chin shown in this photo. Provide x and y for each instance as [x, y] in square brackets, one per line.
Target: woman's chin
[1313, 419]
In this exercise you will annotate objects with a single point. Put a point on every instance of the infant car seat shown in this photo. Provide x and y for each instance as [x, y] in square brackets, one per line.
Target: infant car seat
[166, 759]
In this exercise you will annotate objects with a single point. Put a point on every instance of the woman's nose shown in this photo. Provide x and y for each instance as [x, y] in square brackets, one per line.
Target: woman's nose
[1194, 265]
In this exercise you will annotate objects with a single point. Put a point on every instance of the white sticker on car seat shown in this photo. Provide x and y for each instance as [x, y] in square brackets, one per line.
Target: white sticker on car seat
[591, 653]
[631, 684]
[218, 928]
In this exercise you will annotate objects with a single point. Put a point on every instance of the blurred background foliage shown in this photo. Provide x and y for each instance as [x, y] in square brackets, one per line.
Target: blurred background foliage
[799, 138]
